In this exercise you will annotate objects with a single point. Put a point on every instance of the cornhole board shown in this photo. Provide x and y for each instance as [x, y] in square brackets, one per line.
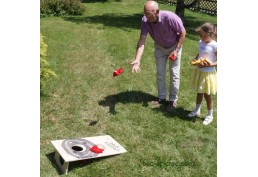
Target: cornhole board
[70, 150]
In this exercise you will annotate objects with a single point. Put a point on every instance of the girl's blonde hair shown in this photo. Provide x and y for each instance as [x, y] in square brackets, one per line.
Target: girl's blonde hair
[209, 28]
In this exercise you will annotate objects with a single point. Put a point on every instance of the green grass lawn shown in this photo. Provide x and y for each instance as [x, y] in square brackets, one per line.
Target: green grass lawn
[84, 51]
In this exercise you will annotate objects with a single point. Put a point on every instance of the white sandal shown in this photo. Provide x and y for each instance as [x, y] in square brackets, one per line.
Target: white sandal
[207, 120]
[193, 114]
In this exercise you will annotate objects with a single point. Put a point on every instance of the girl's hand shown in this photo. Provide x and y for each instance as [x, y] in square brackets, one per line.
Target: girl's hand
[204, 64]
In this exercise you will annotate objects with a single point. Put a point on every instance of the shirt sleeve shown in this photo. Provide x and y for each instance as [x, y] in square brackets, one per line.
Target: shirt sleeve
[144, 27]
[176, 23]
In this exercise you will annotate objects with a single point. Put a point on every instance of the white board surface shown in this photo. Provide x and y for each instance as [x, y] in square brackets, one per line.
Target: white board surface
[110, 146]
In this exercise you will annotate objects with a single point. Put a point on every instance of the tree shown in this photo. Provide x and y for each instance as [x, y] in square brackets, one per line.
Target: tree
[182, 4]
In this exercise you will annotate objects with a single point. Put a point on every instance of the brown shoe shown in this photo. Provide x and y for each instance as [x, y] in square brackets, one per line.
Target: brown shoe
[158, 101]
[171, 106]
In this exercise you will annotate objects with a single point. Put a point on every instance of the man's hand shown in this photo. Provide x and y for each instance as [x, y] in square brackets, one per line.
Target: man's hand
[175, 53]
[136, 66]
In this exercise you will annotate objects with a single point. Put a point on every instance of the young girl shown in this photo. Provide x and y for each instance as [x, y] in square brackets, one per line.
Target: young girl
[204, 79]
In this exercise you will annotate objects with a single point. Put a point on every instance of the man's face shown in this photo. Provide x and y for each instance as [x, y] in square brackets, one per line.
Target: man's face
[151, 15]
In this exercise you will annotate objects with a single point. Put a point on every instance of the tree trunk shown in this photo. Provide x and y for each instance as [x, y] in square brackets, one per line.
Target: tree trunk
[180, 9]
[181, 5]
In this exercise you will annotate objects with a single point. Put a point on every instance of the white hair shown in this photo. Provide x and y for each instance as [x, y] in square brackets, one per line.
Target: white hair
[153, 4]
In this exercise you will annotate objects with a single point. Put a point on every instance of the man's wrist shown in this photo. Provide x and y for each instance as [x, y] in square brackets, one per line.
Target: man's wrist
[137, 62]
[177, 49]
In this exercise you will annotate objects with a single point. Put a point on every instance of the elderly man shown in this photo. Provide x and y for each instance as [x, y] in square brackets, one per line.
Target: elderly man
[168, 33]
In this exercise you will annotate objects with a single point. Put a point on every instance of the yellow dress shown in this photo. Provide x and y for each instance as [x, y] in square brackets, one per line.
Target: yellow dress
[204, 82]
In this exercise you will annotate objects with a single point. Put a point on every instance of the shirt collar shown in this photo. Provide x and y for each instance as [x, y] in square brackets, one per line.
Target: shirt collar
[146, 20]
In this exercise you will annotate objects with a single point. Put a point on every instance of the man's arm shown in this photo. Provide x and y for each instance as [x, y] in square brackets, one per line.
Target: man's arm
[181, 39]
[138, 55]
[179, 44]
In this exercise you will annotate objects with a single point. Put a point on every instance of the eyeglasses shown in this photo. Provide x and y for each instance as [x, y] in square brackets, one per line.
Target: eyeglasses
[149, 13]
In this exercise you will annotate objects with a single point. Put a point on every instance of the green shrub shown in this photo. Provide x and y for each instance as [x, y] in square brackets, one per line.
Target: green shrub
[61, 7]
[45, 72]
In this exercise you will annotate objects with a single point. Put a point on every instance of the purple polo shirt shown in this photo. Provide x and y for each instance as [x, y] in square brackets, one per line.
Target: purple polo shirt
[165, 31]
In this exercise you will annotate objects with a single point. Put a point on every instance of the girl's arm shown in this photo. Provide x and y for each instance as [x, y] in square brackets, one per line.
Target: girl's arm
[215, 63]
[209, 65]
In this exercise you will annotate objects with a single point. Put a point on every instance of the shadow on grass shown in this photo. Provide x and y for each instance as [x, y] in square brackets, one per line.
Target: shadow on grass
[75, 164]
[94, 1]
[126, 97]
[111, 19]
[51, 158]
[133, 21]
[119, 20]
[44, 94]
[179, 112]
[142, 98]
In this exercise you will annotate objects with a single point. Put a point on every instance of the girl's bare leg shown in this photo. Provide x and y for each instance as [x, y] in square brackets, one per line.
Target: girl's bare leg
[197, 110]
[199, 98]
[209, 101]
